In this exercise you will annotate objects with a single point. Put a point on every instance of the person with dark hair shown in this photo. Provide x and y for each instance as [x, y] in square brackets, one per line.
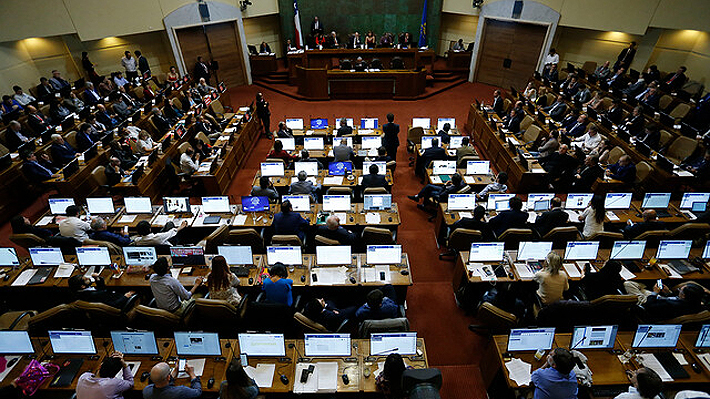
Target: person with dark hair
[389, 382]
[441, 193]
[465, 149]
[333, 230]
[343, 152]
[606, 281]
[645, 384]
[433, 153]
[222, 283]
[475, 223]
[374, 178]
[509, 219]
[264, 114]
[444, 133]
[93, 289]
[278, 152]
[169, 294]
[326, 313]
[238, 385]
[660, 304]
[675, 81]
[344, 129]
[265, 189]
[390, 139]
[626, 56]
[33, 169]
[548, 220]
[22, 225]
[498, 186]
[103, 386]
[623, 170]
[22, 98]
[289, 222]
[72, 226]
[587, 174]
[201, 70]
[146, 238]
[615, 112]
[379, 305]
[556, 379]
[284, 131]
[593, 217]
[650, 222]
[277, 286]
[142, 63]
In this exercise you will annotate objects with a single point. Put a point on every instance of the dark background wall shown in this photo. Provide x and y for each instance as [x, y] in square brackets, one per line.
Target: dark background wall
[347, 16]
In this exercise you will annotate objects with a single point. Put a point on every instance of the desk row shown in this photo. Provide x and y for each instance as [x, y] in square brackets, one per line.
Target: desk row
[339, 174]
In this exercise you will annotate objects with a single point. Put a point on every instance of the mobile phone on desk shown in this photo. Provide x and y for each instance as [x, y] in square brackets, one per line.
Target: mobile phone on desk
[659, 282]
[243, 359]
[181, 364]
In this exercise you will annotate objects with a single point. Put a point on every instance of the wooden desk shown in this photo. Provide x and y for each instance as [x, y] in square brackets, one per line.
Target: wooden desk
[458, 60]
[262, 64]
[396, 84]
[80, 184]
[289, 175]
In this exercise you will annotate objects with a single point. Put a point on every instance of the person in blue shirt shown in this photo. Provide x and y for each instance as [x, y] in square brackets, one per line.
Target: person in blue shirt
[277, 286]
[289, 222]
[555, 379]
[623, 170]
[34, 170]
[379, 306]
[99, 233]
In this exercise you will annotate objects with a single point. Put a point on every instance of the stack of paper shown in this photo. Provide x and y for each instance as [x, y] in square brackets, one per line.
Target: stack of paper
[573, 216]
[204, 167]
[650, 361]
[705, 360]
[64, 270]
[626, 273]
[175, 272]
[372, 218]
[612, 216]
[469, 179]
[524, 271]
[435, 179]
[531, 217]
[263, 374]
[330, 275]
[197, 364]
[333, 180]
[161, 220]
[465, 215]
[239, 220]
[670, 271]
[519, 371]
[24, 277]
[127, 219]
[484, 272]
[572, 270]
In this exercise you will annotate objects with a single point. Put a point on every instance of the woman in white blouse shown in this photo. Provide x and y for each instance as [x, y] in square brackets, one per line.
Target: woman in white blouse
[145, 142]
[593, 217]
[222, 283]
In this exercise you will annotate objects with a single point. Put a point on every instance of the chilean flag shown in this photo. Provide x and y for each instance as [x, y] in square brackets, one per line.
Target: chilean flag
[297, 22]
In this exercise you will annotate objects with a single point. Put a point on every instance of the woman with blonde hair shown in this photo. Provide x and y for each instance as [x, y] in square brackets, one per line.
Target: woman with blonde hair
[552, 280]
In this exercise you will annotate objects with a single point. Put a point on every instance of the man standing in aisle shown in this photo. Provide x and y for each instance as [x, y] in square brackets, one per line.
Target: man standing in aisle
[143, 64]
[201, 70]
[130, 65]
[264, 114]
[391, 136]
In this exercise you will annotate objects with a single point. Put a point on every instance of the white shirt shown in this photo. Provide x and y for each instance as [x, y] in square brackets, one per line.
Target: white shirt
[187, 164]
[147, 144]
[74, 227]
[633, 393]
[590, 223]
[155, 238]
[552, 59]
[23, 98]
[129, 63]
[589, 143]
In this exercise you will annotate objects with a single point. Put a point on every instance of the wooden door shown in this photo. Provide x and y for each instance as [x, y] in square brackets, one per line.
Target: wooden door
[519, 43]
[225, 48]
[193, 43]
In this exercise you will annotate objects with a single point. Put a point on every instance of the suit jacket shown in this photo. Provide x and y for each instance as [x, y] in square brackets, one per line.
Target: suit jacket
[506, 220]
[44, 92]
[587, 177]
[626, 174]
[634, 124]
[101, 294]
[391, 135]
[91, 97]
[430, 154]
[639, 228]
[264, 48]
[547, 221]
[615, 114]
[163, 124]
[13, 140]
[112, 176]
[371, 180]
[38, 122]
[62, 154]
[341, 235]
[344, 130]
[664, 308]
[201, 71]
[651, 139]
[303, 187]
[355, 41]
[513, 123]
[498, 106]
[284, 134]
[342, 153]
[317, 26]
[445, 138]
[290, 223]
[577, 129]
[83, 141]
[35, 172]
[556, 111]
[558, 165]
[143, 65]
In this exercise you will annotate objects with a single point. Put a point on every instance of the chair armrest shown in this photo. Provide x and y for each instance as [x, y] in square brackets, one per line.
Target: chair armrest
[297, 302]
[260, 297]
[20, 317]
[402, 311]
[131, 303]
[342, 325]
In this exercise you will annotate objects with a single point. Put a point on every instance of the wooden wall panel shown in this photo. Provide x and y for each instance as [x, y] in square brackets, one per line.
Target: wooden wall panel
[226, 49]
[193, 43]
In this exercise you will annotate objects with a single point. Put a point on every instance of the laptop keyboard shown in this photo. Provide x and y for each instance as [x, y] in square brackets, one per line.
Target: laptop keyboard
[240, 271]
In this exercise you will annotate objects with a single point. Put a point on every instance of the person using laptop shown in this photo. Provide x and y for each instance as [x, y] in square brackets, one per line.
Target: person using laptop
[343, 152]
[606, 281]
[433, 153]
[589, 140]
[555, 379]
[379, 305]
[278, 152]
[222, 283]
[511, 218]
[93, 289]
[306, 157]
[168, 292]
[374, 178]
[650, 222]
[498, 186]
[661, 304]
[265, 189]
[552, 280]
[277, 287]
[238, 385]
[163, 386]
[333, 230]
[382, 155]
[100, 232]
[74, 227]
[645, 384]
[555, 217]
[288, 222]
[304, 186]
[441, 193]
[593, 217]
[475, 223]
[466, 149]
[103, 386]
[389, 382]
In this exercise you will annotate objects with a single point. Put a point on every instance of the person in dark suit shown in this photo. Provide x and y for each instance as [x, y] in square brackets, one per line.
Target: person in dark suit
[264, 48]
[559, 164]
[33, 169]
[359, 65]
[512, 218]
[623, 170]
[555, 217]
[651, 136]
[107, 119]
[161, 122]
[674, 82]
[15, 137]
[113, 171]
[498, 103]
[391, 136]
[444, 133]
[651, 75]
[201, 70]
[37, 120]
[374, 179]
[344, 129]
[557, 109]
[587, 174]
[83, 137]
[355, 41]
[626, 56]
[333, 230]
[688, 301]
[634, 123]
[649, 97]
[62, 152]
[606, 281]
[93, 289]
[91, 96]
[441, 193]
[284, 131]
[316, 26]
[650, 222]
[475, 223]
[99, 232]
[699, 166]
[578, 128]
[614, 113]
[289, 222]
[264, 113]
[45, 91]
[332, 41]
[433, 153]
[512, 121]
[142, 63]
[327, 313]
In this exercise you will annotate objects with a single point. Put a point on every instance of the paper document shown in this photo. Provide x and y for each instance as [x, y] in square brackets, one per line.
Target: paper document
[684, 173]
[204, 167]
[465, 215]
[650, 361]
[45, 221]
[329, 275]
[198, 364]
[175, 272]
[24, 277]
[333, 180]
[469, 179]
[133, 366]
[538, 170]
[127, 219]
[342, 216]
[327, 376]
[626, 273]
[435, 179]
[573, 216]
[161, 220]
[311, 384]
[309, 132]
[681, 359]
[519, 371]
[263, 374]
[239, 220]
[705, 360]
[531, 217]
[372, 218]
[524, 271]
[374, 274]
[612, 216]
[366, 131]
[15, 360]
[64, 270]
[670, 271]
[572, 270]
[484, 272]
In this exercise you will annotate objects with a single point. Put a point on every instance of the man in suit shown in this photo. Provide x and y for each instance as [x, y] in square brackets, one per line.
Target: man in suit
[614, 113]
[374, 179]
[93, 289]
[304, 186]
[201, 70]
[433, 153]
[161, 122]
[557, 109]
[84, 141]
[264, 114]
[333, 230]
[634, 89]
[444, 133]
[465, 149]
[583, 95]
[649, 97]
[35, 171]
[663, 307]
[441, 193]
[359, 65]
[284, 131]
[265, 189]
[355, 41]
[555, 217]
[332, 40]
[571, 85]
[617, 82]
[651, 136]
[675, 81]
[91, 96]
[38, 122]
[316, 26]
[477, 222]
[391, 136]
[113, 171]
[579, 127]
[550, 73]
[107, 119]
[498, 103]
[560, 163]
[142, 63]
[343, 152]
[623, 170]
[288, 222]
[634, 123]
[62, 152]
[650, 222]
[45, 91]
[699, 166]
[15, 137]
[586, 176]
[57, 82]
[602, 72]
[344, 129]
[512, 121]
[512, 218]
[626, 56]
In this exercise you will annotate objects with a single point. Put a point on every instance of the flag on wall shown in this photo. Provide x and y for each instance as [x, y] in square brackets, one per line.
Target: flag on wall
[422, 28]
[297, 23]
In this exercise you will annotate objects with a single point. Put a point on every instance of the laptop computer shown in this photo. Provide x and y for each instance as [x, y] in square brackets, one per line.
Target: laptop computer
[94, 259]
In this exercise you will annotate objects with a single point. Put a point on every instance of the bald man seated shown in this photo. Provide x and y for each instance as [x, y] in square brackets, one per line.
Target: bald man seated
[650, 222]
[163, 386]
[333, 230]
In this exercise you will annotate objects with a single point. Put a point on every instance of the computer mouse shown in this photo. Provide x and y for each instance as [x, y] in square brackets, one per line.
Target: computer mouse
[366, 372]
[352, 280]
[6, 277]
[479, 179]
[271, 216]
[251, 280]
[352, 219]
[228, 344]
[696, 368]
[346, 379]
[404, 272]
[390, 218]
[166, 344]
[145, 376]
[284, 379]
[229, 221]
[210, 382]
[303, 278]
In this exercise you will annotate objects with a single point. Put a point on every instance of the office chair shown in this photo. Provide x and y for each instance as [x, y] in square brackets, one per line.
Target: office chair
[493, 320]
[216, 238]
[103, 318]
[513, 237]
[378, 236]
[309, 325]
[320, 240]
[16, 320]
[247, 237]
[560, 235]
[27, 240]
[606, 238]
[216, 315]
[57, 318]
[158, 320]
[367, 327]
[221, 111]
[286, 239]
[691, 231]
[653, 237]
[460, 240]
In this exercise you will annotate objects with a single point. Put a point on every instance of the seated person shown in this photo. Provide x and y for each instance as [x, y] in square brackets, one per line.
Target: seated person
[304, 186]
[277, 286]
[106, 384]
[93, 289]
[439, 192]
[37, 121]
[512, 121]
[650, 222]
[163, 383]
[557, 110]
[646, 384]
[168, 292]
[498, 186]
[699, 166]
[15, 136]
[587, 174]
[374, 178]
[189, 161]
[359, 65]
[146, 143]
[343, 152]
[512, 218]
[552, 280]
[551, 144]
[34, 169]
[21, 97]
[84, 139]
[344, 129]
[615, 113]
[113, 171]
[548, 220]
[651, 136]
[379, 306]
[560, 164]
[72, 226]
[663, 307]
[146, 238]
[475, 223]
[555, 379]
[635, 122]
[289, 222]
[21, 225]
[278, 152]
[284, 131]
[444, 133]
[465, 149]
[576, 128]
[606, 281]
[433, 153]
[222, 283]
[106, 118]
[389, 382]
[326, 313]
[265, 189]
[623, 170]
[306, 157]
[99, 232]
[589, 141]
[334, 231]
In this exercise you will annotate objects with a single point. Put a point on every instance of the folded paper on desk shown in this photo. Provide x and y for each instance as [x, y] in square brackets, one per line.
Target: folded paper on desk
[519, 371]
[626, 273]
[469, 179]
[572, 270]
[263, 374]
[323, 380]
[133, 366]
[175, 272]
[330, 275]
[465, 215]
[127, 219]
[650, 361]
[538, 170]
[161, 220]
[524, 271]
[45, 221]
[24, 277]
[372, 218]
[239, 220]
[612, 216]
[9, 359]
[198, 364]
[705, 360]
[64, 270]
[333, 180]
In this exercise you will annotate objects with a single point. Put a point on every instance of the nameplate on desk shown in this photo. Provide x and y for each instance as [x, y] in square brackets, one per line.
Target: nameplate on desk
[332, 180]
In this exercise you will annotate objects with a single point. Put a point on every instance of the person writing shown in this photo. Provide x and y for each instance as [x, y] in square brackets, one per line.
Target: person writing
[556, 379]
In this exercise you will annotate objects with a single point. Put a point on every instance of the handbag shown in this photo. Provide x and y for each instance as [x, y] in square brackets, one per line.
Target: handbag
[34, 375]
